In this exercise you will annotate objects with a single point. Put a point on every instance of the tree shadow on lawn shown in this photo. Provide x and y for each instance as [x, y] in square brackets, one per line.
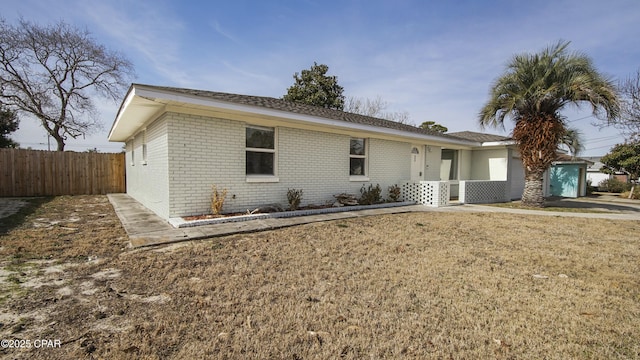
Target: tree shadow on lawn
[13, 221]
[595, 205]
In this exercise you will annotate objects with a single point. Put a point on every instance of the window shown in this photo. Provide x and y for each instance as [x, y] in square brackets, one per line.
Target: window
[133, 155]
[261, 151]
[144, 147]
[449, 165]
[357, 157]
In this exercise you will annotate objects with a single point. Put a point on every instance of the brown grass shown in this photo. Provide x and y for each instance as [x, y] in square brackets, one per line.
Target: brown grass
[423, 285]
[63, 227]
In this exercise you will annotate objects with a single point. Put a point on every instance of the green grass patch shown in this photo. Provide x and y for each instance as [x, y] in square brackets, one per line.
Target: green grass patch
[19, 265]
[10, 288]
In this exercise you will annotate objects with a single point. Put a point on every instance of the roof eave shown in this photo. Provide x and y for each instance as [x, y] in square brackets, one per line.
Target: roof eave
[144, 96]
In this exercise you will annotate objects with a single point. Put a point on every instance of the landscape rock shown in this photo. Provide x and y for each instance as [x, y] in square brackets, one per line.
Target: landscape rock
[271, 208]
[346, 199]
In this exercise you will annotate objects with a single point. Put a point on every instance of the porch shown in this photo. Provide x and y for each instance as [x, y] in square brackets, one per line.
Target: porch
[438, 193]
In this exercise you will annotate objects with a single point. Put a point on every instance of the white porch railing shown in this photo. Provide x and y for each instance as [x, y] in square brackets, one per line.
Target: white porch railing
[430, 193]
[483, 191]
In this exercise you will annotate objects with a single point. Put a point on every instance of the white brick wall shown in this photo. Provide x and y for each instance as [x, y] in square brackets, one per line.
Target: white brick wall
[202, 152]
[149, 183]
[205, 151]
[389, 163]
[316, 162]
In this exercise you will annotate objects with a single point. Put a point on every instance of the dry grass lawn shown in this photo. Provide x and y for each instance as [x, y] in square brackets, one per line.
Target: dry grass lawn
[424, 285]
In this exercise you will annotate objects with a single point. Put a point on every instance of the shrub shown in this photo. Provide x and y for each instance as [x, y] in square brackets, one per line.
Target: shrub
[590, 187]
[394, 193]
[294, 196]
[217, 199]
[370, 196]
[614, 185]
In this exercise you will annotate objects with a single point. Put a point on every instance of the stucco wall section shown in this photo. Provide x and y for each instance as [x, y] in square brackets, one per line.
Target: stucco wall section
[148, 183]
[490, 164]
[432, 163]
[465, 160]
[205, 151]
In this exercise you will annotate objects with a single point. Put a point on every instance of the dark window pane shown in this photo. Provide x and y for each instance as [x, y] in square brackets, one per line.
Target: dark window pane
[259, 163]
[356, 166]
[260, 138]
[357, 147]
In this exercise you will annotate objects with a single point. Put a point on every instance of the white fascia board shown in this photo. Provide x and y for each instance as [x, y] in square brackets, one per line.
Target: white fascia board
[499, 143]
[125, 103]
[184, 99]
[136, 111]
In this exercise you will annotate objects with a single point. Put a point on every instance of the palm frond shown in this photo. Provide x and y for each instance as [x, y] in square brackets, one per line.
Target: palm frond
[572, 139]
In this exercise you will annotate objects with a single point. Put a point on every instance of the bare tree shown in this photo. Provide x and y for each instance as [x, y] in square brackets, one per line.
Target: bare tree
[629, 120]
[374, 108]
[52, 72]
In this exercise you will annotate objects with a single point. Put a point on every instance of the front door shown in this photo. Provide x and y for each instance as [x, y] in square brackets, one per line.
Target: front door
[417, 163]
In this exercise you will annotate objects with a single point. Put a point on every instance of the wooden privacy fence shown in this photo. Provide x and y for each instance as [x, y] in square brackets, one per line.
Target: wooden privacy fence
[38, 173]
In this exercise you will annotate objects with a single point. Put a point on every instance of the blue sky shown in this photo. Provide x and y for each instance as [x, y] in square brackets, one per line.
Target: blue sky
[435, 60]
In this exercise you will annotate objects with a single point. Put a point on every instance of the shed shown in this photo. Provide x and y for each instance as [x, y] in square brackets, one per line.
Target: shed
[567, 177]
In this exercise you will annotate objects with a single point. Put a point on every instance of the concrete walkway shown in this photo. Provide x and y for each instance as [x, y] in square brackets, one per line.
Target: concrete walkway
[147, 229]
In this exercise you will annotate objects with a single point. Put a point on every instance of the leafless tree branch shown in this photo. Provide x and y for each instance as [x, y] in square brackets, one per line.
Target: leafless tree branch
[54, 72]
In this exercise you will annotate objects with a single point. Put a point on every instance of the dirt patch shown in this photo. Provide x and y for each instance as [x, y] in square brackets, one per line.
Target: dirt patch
[423, 285]
[66, 227]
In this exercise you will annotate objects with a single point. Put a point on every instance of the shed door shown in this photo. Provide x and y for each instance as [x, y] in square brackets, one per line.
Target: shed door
[417, 162]
[564, 180]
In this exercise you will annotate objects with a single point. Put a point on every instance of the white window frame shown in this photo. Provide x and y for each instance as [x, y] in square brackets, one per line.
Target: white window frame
[258, 178]
[365, 176]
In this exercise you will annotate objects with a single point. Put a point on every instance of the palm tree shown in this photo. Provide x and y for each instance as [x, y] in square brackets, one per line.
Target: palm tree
[572, 139]
[532, 91]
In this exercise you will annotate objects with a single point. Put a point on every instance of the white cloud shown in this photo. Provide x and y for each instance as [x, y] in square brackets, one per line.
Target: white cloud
[218, 28]
[146, 31]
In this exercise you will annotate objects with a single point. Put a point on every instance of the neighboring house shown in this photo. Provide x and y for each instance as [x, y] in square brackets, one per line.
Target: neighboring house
[180, 142]
[595, 176]
[567, 177]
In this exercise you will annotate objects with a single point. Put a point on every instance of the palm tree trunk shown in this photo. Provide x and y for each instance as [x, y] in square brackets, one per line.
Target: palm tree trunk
[533, 195]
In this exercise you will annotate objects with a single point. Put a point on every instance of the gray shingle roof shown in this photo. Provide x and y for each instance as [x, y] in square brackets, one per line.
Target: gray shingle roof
[292, 107]
[479, 137]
